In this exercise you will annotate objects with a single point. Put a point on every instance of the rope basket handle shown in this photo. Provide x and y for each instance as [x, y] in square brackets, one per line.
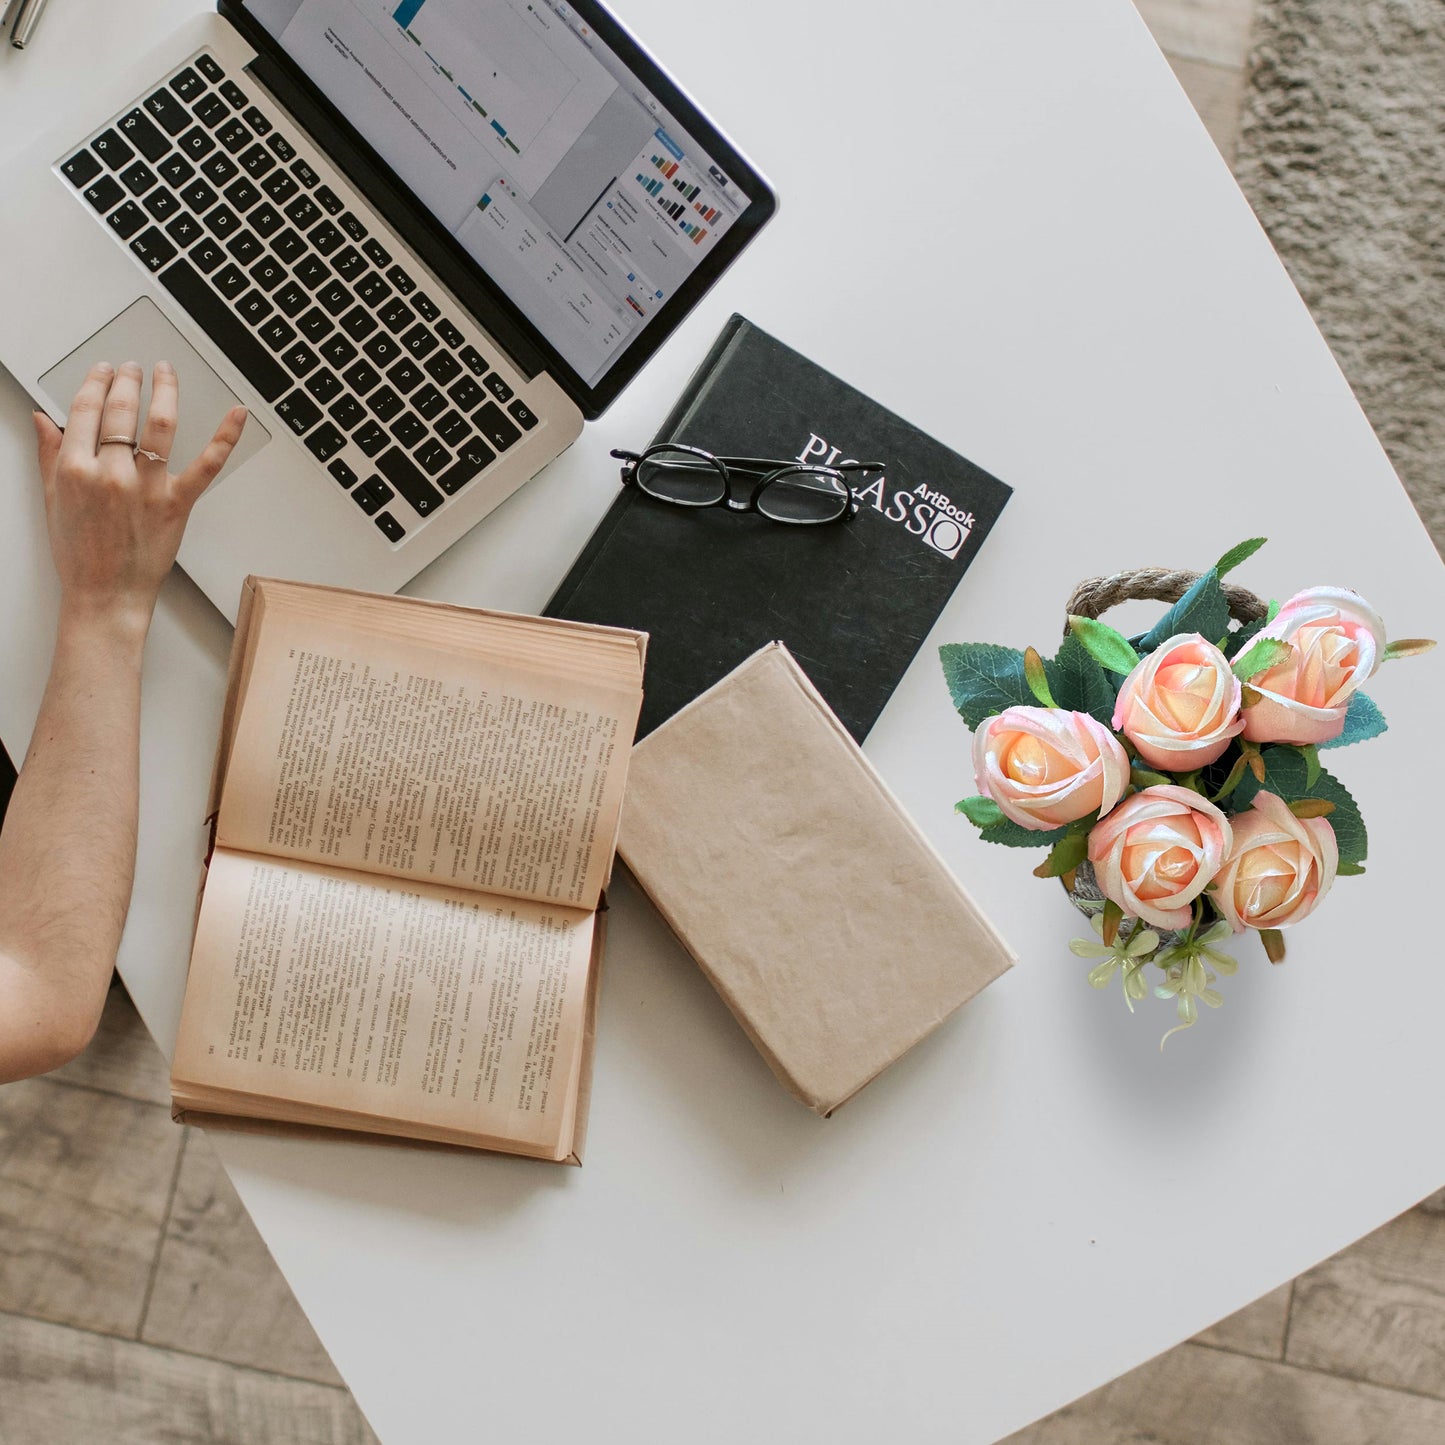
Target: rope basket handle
[1096, 595]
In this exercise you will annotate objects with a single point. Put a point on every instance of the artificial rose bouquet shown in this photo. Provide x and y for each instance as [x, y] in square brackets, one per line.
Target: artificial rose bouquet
[1175, 777]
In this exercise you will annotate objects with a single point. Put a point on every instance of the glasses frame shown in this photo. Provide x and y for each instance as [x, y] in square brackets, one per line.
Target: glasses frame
[767, 471]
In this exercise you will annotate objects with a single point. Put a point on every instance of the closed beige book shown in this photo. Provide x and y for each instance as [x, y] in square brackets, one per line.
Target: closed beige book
[796, 880]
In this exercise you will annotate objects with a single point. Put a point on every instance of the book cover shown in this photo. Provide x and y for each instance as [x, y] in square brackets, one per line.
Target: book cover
[852, 600]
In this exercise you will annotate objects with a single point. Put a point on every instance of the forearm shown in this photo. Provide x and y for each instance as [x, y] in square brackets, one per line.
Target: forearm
[67, 851]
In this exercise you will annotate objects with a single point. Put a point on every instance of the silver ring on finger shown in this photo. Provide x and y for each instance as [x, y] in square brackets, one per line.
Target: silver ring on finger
[117, 440]
[150, 455]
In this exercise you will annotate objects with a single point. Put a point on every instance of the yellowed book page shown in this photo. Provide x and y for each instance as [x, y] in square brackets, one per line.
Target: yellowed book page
[388, 999]
[386, 755]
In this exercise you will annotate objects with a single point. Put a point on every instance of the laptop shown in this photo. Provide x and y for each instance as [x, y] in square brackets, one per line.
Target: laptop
[421, 240]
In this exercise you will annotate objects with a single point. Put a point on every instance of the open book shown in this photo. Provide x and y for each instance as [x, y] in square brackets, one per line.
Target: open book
[415, 811]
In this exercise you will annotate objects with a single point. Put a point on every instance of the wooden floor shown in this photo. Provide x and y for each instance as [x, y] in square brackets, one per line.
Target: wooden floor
[138, 1304]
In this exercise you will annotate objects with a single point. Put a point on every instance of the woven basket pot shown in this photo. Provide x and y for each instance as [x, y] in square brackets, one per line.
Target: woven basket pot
[1094, 596]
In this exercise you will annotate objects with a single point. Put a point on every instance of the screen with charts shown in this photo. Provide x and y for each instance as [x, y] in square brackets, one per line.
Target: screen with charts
[544, 156]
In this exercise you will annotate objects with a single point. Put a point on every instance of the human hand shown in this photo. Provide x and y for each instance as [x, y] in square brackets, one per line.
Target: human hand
[116, 516]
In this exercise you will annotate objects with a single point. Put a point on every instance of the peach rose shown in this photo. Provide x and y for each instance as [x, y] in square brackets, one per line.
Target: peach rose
[1157, 851]
[1277, 868]
[1338, 641]
[1045, 767]
[1180, 706]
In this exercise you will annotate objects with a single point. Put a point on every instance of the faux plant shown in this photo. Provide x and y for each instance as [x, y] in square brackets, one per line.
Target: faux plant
[1175, 777]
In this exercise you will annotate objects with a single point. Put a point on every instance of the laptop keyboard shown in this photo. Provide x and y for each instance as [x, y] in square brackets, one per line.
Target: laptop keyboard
[283, 273]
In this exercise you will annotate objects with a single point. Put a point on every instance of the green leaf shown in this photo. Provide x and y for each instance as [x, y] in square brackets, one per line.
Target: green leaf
[1079, 683]
[1286, 777]
[984, 679]
[1147, 778]
[1349, 870]
[1272, 611]
[1202, 609]
[980, 811]
[1407, 647]
[1037, 678]
[1363, 720]
[1236, 555]
[1107, 646]
[1064, 856]
[1268, 652]
[1009, 834]
[1311, 754]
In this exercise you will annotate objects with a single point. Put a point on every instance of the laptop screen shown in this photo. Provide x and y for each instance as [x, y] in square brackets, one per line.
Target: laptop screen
[551, 163]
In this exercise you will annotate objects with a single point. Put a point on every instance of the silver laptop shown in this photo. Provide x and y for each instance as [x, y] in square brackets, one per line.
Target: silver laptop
[421, 240]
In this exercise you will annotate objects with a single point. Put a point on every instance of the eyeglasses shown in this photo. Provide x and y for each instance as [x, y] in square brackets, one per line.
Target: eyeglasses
[781, 491]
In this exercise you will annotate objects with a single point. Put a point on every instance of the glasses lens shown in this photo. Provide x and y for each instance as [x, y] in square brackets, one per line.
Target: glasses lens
[804, 496]
[674, 475]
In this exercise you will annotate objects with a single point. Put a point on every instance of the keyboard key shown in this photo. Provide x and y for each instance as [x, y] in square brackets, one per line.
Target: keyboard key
[349, 262]
[522, 414]
[277, 333]
[265, 220]
[280, 187]
[137, 128]
[405, 376]
[268, 273]
[335, 297]
[453, 428]
[408, 429]
[208, 67]
[299, 412]
[396, 315]
[495, 427]
[230, 281]
[105, 193]
[207, 256]
[112, 150]
[244, 247]
[325, 442]
[370, 437]
[429, 401]
[329, 201]
[162, 204]
[498, 387]
[210, 110]
[474, 457]
[222, 222]
[235, 96]
[361, 377]
[176, 170]
[324, 385]
[342, 473]
[466, 393]
[196, 143]
[183, 229]
[403, 282]
[257, 121]
[443, 367]
[126, 220]
[419, 342]
[373, 289]
[165, 108]
[358, 323]
[289, 246]
[199, 196]
[453, 337]
[380, 256]
[381, 349]
[138, 178]
[234, 136]
[433, 457]
[292, 299]
[311, 271]
[188, 85]
[242, 194]
[304, 174]
[471, 358]
[256, 161]
[349, 412]
[225, 328]
[352, 226]
[427, 309]
[338, 351]
[153, 249]
[300, 359]
[372, 495]
[254, 307]
[385, 403]
[326, 238]
[304, 212]
[316, 325]
[285, 151]
[218, 169]
[402, 473]
[391, 529]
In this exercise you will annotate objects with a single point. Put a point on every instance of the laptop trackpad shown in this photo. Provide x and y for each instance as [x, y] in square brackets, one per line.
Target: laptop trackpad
[142, 333]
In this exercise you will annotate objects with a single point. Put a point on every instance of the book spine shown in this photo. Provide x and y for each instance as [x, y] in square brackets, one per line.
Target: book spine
[700, 382]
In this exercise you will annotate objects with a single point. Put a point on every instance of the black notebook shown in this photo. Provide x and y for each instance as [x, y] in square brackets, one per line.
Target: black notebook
[853, 600]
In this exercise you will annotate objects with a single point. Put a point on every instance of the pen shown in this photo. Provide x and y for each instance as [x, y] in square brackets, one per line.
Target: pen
[25, 22]
[5, 8]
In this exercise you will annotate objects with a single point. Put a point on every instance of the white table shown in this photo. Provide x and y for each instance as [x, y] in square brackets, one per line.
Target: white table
[1005, 221]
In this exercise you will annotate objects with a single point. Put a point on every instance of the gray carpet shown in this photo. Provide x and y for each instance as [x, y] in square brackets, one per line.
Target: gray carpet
[1342, 155]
